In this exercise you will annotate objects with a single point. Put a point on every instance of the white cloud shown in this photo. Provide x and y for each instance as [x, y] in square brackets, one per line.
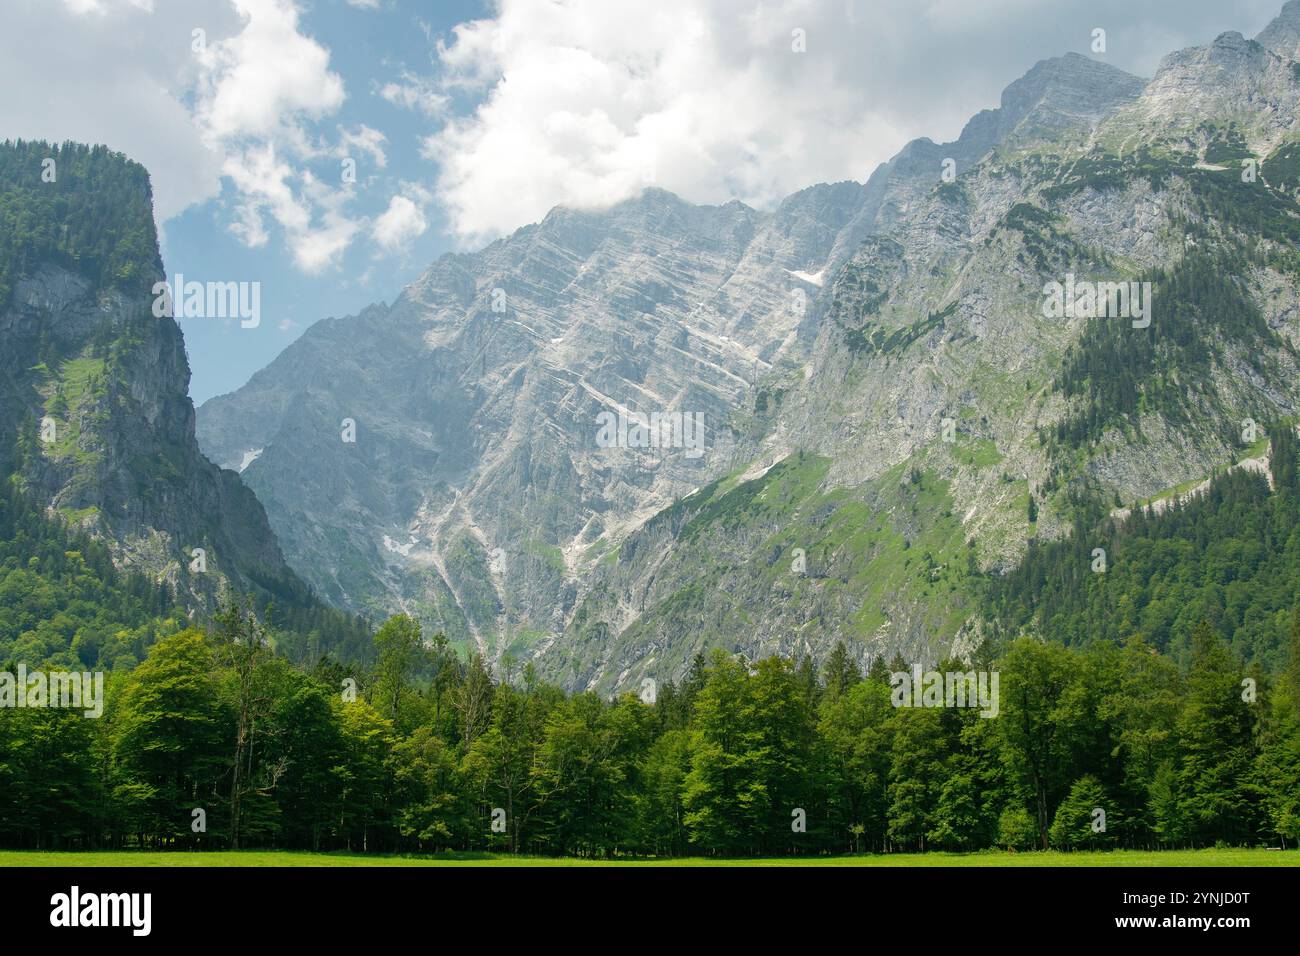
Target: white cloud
[101, 6]
[582, 102]
[704, 98]
[77, 71]
[402, 222]
[312, 216]
[363, 139]
[419, 93]
[245, 105]
[259, 91]
[265, 79]
[320, 247]
[262, 180]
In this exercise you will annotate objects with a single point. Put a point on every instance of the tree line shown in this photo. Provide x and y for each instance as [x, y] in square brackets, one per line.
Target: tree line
[216, 740]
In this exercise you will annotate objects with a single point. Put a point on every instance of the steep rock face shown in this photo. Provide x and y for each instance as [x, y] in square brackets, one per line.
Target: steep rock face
[1053, 103]
[476, 494]
[1060, 100]
[476, 399]
[943, 418]
[1229, 82]
[1282, 35]
[95, 418]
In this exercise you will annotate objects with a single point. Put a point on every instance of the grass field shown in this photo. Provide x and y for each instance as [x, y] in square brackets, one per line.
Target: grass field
[275, 858]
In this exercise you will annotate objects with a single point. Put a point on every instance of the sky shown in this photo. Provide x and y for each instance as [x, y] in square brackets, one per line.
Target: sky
[330, 150]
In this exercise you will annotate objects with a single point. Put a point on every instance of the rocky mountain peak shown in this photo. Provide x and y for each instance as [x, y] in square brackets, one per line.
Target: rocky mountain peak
[1228, 53]
[1055, 95]
[1231, 80]
[1282, 36]
[1231, 45]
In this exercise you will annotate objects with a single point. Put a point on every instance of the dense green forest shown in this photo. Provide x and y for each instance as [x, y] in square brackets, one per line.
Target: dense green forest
[63, 604]
[432, 751]
[1230, 556]
[1166, 696]
[78, 209]
[1117, 373]
[1114, 373]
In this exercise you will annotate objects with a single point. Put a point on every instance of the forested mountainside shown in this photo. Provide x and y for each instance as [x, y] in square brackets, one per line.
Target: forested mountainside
[1227, 556]
[97, 429]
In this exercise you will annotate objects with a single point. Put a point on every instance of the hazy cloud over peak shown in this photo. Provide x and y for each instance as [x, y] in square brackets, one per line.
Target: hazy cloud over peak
[586, 102]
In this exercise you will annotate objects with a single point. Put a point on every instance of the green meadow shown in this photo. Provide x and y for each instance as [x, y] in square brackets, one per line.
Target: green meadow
[274, 858]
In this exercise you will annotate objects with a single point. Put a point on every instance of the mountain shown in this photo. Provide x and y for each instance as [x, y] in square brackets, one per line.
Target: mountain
[890, 412]
[1282, 35]
[476, 427]
[1052, 420]
[96, 425]
[476, 394]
